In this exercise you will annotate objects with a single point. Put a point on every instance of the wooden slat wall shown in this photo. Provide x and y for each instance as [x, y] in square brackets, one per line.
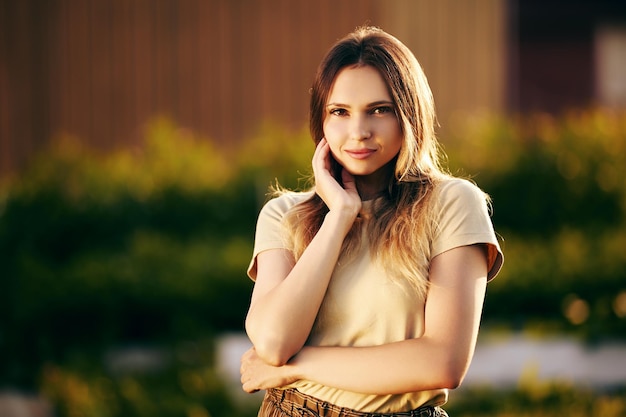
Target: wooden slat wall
[101, 69]
[462, 46]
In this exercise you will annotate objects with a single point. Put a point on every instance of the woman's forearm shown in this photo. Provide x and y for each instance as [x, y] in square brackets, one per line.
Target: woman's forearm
[438, 359]
[407, 366]
[280, 320]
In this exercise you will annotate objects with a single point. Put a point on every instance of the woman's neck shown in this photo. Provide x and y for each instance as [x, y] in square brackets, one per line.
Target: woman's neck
[373, 185]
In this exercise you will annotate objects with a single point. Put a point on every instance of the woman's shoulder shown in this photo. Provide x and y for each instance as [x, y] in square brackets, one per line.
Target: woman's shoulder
[455, 188]
[284, 201]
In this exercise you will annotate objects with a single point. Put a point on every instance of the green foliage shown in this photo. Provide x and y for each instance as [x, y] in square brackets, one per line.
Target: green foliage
[537, 399]
[141, 246]
[547, 173]
[560, 204]
[187, 385]
[97, 250]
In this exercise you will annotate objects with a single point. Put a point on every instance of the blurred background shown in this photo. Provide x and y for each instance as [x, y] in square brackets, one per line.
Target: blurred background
[138, 139]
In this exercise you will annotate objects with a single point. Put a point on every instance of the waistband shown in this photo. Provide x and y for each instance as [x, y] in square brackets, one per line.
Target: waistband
[294, 403]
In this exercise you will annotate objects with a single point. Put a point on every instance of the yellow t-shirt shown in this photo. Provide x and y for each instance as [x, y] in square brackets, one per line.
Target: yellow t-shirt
[364, 307]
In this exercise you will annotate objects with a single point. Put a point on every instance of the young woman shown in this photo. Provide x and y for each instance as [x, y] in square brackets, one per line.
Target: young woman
[369, 287]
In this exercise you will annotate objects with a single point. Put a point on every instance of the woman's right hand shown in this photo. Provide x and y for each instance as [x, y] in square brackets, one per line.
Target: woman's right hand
[288, 293]
[344, 200]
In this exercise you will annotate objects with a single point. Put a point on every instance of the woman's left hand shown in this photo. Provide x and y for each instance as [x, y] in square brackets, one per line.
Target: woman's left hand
[257, 375]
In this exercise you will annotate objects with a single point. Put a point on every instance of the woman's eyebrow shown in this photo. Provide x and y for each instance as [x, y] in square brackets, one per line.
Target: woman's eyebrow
[336, 105]
[379, 102]
[372, 104]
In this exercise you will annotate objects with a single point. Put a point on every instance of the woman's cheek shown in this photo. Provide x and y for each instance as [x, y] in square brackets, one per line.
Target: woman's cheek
[332, 135]
[335, 150]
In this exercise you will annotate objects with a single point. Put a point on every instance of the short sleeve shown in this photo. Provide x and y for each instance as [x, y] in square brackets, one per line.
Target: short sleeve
[463, 220]
[270, 232]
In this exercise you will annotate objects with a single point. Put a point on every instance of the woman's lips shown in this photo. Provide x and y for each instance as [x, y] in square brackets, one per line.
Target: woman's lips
[360, 153]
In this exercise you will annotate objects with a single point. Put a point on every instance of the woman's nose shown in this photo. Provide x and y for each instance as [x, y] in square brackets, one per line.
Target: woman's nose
[360, 128]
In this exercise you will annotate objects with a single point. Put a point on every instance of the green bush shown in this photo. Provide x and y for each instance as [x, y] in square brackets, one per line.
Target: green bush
[560, 204]
[537, 399]
[145, 247]
[187, 385]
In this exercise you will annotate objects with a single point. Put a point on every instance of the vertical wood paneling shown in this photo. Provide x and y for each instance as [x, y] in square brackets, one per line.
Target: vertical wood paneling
[57, 99]
[245, 67]
[461, 46]
[205, 45]
[225, 85]
[81, 68]
[101, 69]
[20, 71]
[6, 146]
[122, 76]
[98, 78]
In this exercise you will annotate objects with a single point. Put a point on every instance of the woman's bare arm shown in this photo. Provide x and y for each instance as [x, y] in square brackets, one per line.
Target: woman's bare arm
[438, 359]
[287, 294]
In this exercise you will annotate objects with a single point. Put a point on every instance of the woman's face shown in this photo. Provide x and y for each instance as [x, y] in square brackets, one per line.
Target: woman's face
[360, 123]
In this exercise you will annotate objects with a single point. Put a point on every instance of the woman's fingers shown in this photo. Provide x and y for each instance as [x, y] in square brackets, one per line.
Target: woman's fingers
[329, 188]
[320, 157]
[245, 379]
[257, 375]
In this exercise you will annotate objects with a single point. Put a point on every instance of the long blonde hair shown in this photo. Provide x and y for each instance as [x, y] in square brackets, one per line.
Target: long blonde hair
[402, 222]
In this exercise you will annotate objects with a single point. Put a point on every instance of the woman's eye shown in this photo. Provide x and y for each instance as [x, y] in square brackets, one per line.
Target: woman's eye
[382, 110]
[338, 112]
